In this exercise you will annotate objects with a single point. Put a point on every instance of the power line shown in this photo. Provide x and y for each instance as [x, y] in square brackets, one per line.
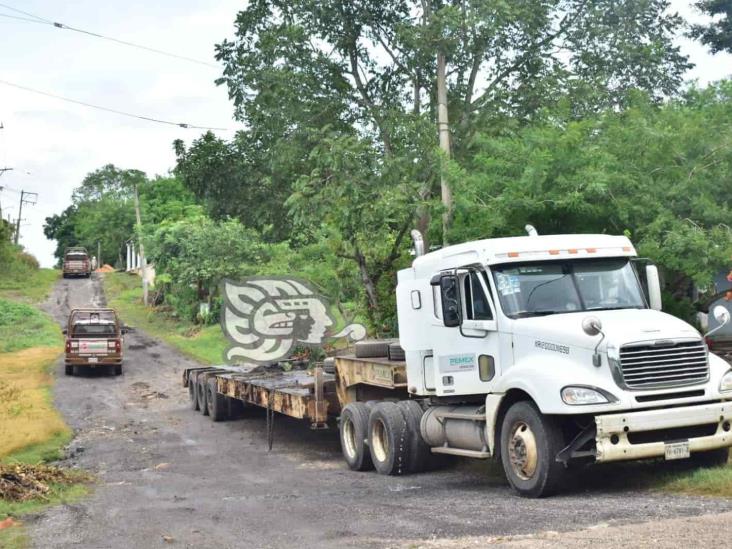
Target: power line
[115, 111]
[20, 18]
[42, 20]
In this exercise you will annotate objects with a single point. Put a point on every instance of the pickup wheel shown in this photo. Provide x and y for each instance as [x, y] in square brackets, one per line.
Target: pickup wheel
[201, 395]
[215, 401]
[118, 369]
[192, 395]
[530, 442]
[354, 429]
[69, 369]
[388, 439]
[711, 458]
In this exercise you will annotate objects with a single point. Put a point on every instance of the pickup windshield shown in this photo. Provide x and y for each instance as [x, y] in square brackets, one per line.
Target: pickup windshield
[550, 287]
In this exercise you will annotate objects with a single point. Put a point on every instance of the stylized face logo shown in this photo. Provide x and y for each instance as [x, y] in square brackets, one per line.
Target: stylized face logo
[265, 317]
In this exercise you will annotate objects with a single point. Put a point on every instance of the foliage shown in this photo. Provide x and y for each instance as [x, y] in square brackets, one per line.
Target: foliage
[22, 327]
[102, 211]
[716, 34]
[656, 174]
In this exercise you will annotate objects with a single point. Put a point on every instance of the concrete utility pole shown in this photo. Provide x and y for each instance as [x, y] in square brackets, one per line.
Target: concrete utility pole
[443, 130]
[31, 202]
[142, 250]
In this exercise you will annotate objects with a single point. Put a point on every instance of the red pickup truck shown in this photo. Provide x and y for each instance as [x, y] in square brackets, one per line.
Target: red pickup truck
[76, 262]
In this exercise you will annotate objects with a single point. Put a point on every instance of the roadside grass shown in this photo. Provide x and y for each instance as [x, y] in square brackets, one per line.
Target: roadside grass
[124, 293]
[32, 287]
[23, 326]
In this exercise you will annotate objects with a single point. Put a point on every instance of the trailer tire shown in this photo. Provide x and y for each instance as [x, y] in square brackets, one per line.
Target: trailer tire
[192, 395]
[69, 369]
[530, 442]
[215, 401]
[711, 458]
[388, 439]
[354, 429]
[395, 352]
[201, 394]
[419, 452]
[371, 349]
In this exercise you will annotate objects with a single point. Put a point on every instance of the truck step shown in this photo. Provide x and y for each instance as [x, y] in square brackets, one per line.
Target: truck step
[460, 452]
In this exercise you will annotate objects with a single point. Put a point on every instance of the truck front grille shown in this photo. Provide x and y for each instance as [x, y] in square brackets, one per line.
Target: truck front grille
[676, 363]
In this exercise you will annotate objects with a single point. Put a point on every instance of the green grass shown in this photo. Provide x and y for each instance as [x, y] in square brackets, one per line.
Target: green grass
[124, 293]
[702, 482]
[43, 452]
[23, 326]
[30, 286]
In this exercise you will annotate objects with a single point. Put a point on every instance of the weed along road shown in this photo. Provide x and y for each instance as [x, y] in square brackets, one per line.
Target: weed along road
[167, 474]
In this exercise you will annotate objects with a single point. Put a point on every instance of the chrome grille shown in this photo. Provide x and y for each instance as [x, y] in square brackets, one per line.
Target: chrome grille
[669, 364]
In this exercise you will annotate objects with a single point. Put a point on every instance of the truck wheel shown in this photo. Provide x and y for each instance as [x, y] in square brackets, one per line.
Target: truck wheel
[215, 401]
[388, 439]
[69, 369]
[419, 456]
[711, 458]
[118, 369]
[201, 394]
[354, 427]
[192, 393]
[530, 442]
[371, 349]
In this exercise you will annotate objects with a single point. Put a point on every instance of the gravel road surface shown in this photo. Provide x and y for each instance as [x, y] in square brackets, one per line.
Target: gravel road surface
[168, 476]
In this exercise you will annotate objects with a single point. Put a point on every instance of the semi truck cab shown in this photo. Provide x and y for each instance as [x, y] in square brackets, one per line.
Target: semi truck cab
[545, 350]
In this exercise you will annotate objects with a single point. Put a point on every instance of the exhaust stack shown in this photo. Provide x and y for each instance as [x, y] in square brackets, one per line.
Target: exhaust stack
[531, 230]
[418, 242]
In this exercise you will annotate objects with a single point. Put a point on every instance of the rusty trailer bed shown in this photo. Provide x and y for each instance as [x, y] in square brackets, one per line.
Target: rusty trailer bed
[302, 394]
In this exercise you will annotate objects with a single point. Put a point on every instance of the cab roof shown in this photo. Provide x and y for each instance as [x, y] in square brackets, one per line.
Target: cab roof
[519, 249]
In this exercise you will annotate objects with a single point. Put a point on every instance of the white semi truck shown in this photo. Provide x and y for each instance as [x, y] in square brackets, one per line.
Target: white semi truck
[537, 351]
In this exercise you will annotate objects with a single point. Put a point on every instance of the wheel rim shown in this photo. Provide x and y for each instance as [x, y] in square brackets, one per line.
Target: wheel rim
[349, 437]
[522, 451]
[379, 441]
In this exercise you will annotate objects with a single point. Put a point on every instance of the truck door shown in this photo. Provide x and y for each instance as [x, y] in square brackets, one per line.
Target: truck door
[466, 351]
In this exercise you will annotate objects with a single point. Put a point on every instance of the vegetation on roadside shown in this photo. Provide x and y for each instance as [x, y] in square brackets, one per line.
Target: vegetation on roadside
[23, 326]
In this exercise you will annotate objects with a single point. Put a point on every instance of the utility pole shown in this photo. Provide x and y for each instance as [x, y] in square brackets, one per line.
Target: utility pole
[31, 202]
[443, 130]
[142, 250]
[99, 253]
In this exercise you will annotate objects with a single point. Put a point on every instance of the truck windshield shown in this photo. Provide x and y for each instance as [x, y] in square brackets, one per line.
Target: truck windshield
[550, 287]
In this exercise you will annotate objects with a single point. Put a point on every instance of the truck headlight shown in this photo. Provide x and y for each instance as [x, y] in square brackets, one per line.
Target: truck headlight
[726, 383]
[577, 395]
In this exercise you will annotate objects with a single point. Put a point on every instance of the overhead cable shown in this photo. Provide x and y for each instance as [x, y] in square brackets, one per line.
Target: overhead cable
[115, 111]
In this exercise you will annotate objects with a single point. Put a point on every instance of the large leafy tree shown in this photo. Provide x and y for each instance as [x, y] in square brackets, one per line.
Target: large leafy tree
[717, 34]
[363, 74]
[660, 175]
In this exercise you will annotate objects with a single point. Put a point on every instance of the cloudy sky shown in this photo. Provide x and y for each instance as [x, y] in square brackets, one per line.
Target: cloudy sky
[52, 144]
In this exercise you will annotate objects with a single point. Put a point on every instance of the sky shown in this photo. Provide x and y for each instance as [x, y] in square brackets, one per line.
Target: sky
[51, 145]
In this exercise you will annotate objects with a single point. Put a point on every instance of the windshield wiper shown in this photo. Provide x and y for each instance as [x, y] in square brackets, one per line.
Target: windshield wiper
[613, 308]
[538, 312]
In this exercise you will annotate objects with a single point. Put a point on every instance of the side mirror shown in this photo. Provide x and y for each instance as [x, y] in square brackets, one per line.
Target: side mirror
[65, 331]
[722, 316]
[654, 287]
[450, 293]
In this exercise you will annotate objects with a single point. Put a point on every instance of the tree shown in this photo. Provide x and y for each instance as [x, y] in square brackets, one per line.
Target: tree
[364, 75]
[717, 34]
[657, 173]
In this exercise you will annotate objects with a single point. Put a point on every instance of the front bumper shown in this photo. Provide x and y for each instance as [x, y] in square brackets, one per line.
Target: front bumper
[612, 430]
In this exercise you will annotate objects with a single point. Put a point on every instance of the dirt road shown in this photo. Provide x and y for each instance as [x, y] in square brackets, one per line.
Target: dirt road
[168, 475]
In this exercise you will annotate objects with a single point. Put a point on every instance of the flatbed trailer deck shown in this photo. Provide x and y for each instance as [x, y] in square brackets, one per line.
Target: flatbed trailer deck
[309, 394]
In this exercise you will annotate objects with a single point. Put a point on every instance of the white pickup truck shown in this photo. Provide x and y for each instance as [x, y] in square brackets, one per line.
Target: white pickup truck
[547, 350]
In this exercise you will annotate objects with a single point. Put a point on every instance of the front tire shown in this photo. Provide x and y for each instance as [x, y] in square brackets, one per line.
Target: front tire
[354, 428]
[530, 442]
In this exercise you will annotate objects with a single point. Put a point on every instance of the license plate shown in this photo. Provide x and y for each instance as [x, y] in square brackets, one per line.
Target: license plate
[93, 360]
[677, 450]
